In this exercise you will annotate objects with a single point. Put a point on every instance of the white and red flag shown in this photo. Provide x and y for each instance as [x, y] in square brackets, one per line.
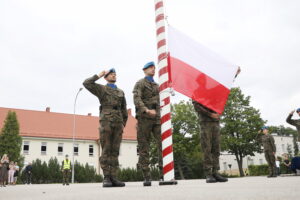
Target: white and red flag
[198, 72]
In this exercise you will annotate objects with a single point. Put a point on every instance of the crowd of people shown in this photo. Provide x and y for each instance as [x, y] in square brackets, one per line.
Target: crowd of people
[9, 171]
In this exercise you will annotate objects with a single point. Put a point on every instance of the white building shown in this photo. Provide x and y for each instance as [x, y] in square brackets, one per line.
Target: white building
[284, 144]
[47, 134]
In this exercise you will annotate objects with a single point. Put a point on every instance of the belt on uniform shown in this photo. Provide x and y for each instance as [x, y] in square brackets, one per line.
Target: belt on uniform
[111, 107]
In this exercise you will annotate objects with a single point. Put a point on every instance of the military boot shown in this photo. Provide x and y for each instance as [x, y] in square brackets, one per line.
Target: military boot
[270, 174]
[107, 182]
[116, 183]
[210, 179]
[147, 182]
[220, 178]
[274, 173]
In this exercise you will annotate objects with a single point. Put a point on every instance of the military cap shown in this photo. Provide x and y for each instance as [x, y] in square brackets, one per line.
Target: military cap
[298, 110]
[264, 127]
[112, 70]
[149, 64]
[67, 155]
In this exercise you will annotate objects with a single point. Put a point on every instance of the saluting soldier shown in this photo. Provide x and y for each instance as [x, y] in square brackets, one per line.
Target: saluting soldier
[113, 118]
[294, 122]
[146, 100]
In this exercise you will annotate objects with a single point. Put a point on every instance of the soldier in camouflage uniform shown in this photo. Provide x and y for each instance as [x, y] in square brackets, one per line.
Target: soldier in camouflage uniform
[113, 118]
[294, 122]
[146, 100]
[210, 142]
[269, 150]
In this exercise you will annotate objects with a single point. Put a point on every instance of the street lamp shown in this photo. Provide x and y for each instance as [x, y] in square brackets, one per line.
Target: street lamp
[74, 125]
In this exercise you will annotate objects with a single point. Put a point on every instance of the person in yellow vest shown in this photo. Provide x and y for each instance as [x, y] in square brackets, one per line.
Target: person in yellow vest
[66, 168]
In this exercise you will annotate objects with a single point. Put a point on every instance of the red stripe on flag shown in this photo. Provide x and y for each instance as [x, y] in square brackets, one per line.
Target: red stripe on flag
[160, 30]
[163, 86]
[159, 17]
[165, 118]
[161, 43]
[163, 70]
[168, 167]
[162, 56]
[167, 150]
[166, 134]
[197, 85]
[158, 5]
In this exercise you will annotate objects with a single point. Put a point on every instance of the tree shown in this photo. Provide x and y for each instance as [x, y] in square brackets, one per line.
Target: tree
[186, 141]
[241, 124]
[10, 140]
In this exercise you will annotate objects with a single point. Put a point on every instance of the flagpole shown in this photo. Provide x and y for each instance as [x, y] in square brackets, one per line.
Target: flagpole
[164, 95]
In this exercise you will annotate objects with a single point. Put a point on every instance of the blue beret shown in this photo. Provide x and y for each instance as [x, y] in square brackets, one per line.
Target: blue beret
[149, 64]
[112, 70]
[264, 127]
[298, 110]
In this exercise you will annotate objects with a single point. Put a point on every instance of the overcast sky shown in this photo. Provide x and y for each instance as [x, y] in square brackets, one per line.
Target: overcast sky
[48, 48]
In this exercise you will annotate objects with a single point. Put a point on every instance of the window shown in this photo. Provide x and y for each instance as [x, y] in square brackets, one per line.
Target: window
[225, 166]
[91, 150]
[261, 161]
[76, 149]
[60, 149]
[26, 147]
[44, 148]
[283, 148]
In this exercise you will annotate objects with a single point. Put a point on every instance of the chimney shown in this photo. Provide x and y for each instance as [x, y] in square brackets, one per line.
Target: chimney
[48, 109]
[129, 111]
[89, 114]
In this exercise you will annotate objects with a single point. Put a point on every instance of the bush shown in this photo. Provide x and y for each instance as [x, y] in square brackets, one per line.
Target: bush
[258, 170]
[51, 173]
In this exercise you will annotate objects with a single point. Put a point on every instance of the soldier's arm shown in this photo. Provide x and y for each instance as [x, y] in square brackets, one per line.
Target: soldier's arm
[202, 109]
[93, 87]
[137, 97]
[124, 111]
[290, 120]
[273, 143]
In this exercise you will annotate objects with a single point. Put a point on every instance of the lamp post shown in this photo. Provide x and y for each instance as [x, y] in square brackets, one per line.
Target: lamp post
[74, 125]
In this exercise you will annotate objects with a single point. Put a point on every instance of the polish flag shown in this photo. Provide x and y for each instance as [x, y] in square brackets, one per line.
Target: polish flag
[198, 72]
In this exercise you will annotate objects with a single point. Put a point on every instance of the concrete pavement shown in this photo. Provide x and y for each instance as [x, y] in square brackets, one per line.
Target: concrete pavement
[252, 188]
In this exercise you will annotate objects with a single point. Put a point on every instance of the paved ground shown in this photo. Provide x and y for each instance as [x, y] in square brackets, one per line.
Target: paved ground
[260, 188]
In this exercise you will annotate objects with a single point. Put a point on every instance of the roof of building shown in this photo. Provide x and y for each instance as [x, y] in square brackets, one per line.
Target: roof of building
[60, 125]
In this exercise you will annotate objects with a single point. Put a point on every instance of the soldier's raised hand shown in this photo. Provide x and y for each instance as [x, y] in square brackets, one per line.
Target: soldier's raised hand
[101, 74]
[215, 115]
[292, 112]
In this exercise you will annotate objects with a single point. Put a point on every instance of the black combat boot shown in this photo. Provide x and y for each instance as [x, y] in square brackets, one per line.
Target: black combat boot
[147, 182]
[270, 175]
[116, 183]
[220, 178]
[274, 173]
[210, 179]
[107, 182]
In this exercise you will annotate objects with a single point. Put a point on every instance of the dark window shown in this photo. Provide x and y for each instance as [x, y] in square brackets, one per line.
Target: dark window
[91, 150]
[76, 149]
[60, 148]
[26, 147]
[44, 148]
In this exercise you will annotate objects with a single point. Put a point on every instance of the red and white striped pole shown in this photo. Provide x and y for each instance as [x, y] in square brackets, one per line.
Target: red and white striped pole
[164, 95]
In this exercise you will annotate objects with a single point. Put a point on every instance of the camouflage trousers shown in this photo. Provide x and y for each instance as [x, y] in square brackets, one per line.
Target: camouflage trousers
[145, 128]
[110, 140]
[66, 173]
[270, 157]
[210, 144]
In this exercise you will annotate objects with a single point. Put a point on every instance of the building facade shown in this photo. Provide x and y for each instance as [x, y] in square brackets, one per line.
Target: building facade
[47, 135]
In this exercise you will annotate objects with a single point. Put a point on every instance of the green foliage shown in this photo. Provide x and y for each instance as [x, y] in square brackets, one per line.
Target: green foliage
[241, 124]
[51, 173]
[10, 139]
[258, 170]
[186, 141]
[132, 175]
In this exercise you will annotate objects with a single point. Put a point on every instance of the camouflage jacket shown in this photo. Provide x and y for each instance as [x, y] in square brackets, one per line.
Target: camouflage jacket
[113, 102]
[294, 122]
[268, 142]
[146, 96]
[204, 113]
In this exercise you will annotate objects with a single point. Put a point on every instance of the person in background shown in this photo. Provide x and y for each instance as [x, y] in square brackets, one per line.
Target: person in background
[66, 168]
[16, 174]
[277, 163]
[4, 170]
[28, 172]
[11, 172]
